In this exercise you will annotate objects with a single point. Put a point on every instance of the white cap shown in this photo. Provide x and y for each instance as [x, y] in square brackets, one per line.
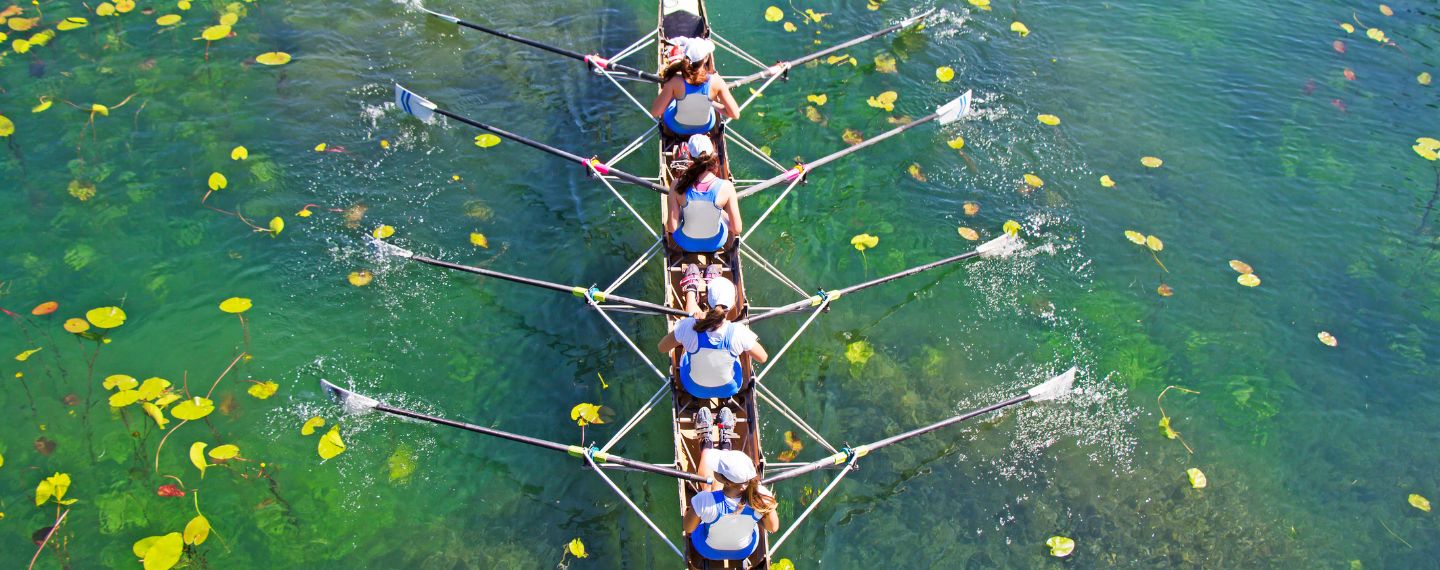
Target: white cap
[721, 292]
[697, 49]
[735, 466]
[700, 144]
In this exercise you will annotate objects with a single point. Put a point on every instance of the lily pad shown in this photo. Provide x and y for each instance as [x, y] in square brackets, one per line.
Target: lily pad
[1060, 546]
[235, 305]
[330, 444]
[193, 409]
[106, 317]
[311, 424]
[1197, 478]
[263, 390]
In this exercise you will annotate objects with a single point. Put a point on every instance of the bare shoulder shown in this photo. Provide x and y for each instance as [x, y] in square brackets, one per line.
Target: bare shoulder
[719, 82]
[727, 189]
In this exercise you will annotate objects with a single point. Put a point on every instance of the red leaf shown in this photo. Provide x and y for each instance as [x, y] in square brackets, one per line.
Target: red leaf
[169, 490]
[45, 308]
[1339, 46]
[1349, 75]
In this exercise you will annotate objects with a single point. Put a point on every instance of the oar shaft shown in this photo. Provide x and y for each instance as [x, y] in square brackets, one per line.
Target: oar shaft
[832, 49]
[842, 457]
[946, 423]
[907, 272]
[574, 290]
[606, 64]
[810, 166]
[570, 449]
[815, 301]
[626, 176]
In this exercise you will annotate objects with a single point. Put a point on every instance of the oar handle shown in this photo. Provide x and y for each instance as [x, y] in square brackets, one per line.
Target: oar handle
[597, 61]
[598, 296]
[863, 450]
[598, 166]
[573, 450]
[815, 300]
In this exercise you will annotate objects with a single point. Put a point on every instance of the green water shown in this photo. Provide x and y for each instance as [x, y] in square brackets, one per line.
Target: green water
[1310, 451]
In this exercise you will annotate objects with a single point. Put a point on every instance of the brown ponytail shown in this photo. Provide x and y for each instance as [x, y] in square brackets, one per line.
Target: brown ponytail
[675, 68]
[695, 73]
[758, 501]
[712, 320]
[698, 167]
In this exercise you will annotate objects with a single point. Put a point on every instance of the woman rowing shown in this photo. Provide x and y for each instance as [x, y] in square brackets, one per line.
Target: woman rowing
[703, 211]
[691, 94]
[724, 517]
[710, 366]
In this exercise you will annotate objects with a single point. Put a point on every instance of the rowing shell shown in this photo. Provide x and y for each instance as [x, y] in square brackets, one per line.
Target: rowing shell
[687, 18]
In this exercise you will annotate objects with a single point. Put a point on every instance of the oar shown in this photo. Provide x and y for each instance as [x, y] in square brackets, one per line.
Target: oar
[780, 67]
[998, 247]
[946, 114]
[421, 108]
[1052, 389]
[591, 59]
[582, 292]
[356, 403]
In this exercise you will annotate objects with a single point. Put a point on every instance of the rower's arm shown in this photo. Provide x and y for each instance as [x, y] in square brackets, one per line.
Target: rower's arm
[771, 521]
[757, 353]
[672, 214]
[728, 106]
[669, 343]
[662, 100]
[732, 210]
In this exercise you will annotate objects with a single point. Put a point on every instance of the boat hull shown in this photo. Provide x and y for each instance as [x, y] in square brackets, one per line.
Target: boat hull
[687, 18]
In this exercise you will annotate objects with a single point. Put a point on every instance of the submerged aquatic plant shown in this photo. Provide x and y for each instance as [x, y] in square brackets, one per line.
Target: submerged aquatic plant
[1166, 429]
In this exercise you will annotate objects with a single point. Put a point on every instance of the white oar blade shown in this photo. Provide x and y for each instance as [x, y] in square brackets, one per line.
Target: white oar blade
[1001, 246]
[1054, 388]
[907, 22]
[414, 104]
[386, 248]
[352, 402]
[446, 17]
[954, 110]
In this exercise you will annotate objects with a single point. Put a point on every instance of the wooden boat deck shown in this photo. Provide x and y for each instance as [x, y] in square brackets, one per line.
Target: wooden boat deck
[686, 18]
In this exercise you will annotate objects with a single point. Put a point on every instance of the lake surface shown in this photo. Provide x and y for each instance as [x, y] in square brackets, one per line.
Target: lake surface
[1271, 156]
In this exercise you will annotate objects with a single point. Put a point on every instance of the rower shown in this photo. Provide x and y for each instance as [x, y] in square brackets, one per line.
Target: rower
[691, 94]
[703, 210]
[710, 366]
[723, 519]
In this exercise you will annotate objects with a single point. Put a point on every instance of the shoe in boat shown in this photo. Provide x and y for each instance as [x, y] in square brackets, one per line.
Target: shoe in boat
[727, 424]
[690, 282]
[704, 420]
